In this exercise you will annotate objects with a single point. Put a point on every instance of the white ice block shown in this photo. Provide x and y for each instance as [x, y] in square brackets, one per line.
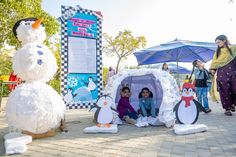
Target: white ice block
[103, 129]
[16, 143]
[184, 129]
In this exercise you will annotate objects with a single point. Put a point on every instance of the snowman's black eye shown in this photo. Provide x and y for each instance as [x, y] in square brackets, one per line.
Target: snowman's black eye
[27, 23]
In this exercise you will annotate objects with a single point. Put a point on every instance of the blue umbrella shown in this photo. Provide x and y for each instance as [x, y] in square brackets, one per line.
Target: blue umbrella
[176, 51]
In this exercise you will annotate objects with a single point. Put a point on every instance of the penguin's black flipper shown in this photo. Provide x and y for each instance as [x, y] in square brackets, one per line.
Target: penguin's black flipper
[114, 110]
[93, 108]
[199, 106]
[176, 106]
[96, 114]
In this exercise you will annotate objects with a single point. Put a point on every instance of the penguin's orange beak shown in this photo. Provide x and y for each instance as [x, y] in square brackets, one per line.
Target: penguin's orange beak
[37, 23]
[187, 92]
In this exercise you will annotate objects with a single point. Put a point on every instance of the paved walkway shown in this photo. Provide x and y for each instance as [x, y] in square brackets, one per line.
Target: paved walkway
[218, 141]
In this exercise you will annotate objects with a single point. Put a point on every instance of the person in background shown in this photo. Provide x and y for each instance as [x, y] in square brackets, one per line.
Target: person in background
[209, 82]
[224, 64]
[124, 108]
[111, 72]
[165, 67]
[186, 77]
[201, 77]
[215, 96]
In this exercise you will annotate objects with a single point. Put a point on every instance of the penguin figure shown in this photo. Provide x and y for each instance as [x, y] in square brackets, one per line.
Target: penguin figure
[187, 109]
[91, 84]
[104, 112]
[68, 98]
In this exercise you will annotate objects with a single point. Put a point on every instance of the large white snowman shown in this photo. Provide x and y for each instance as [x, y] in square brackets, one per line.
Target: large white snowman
[34, 106]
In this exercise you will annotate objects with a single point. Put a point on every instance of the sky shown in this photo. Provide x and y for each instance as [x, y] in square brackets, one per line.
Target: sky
[160, 21]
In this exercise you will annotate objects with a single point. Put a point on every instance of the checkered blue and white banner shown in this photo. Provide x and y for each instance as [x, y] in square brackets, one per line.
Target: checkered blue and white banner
[81, 68]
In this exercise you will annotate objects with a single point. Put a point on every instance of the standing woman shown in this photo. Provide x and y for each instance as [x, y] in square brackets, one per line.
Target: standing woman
[224, 63]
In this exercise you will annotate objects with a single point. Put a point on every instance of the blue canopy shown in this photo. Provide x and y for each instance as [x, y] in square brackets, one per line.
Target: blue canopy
[176, 51]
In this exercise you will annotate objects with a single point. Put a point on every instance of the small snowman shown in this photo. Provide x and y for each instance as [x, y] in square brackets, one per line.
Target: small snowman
[34, 107]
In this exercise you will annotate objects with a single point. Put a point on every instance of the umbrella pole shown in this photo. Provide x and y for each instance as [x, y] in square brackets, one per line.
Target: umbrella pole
[177, 63]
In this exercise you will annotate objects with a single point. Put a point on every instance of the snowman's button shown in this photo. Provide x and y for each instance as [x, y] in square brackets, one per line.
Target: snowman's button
[39, 46]
[39, 61]
[40, 52]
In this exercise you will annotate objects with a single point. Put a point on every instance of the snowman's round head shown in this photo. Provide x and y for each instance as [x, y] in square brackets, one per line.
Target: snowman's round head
[188, 90]
[29, 30]
[105, 101]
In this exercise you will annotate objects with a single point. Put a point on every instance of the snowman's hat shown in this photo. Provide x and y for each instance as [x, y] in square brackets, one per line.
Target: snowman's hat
[17, 24]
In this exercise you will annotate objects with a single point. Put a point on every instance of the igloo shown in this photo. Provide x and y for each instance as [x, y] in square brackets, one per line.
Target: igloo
[161, 83]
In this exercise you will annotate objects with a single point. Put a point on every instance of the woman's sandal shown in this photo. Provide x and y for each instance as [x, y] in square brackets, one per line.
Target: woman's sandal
[228, 113]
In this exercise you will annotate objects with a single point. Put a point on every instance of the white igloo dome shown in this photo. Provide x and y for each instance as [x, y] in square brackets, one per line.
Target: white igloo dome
[163, 86]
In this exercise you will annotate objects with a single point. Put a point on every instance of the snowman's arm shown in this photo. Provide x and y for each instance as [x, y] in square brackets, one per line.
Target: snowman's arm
[199, 106]
[176, 106]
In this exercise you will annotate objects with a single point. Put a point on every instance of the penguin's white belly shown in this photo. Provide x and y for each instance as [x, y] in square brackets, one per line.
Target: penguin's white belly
[187, 115]
[91, 85]
[35, 107]
[105, 115]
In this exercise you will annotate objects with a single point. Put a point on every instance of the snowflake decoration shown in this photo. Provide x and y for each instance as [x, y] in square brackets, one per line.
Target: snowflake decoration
[72, 81]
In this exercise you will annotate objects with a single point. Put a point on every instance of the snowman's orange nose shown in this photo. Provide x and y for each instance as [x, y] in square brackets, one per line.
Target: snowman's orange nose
[105, 103]
[37, 23]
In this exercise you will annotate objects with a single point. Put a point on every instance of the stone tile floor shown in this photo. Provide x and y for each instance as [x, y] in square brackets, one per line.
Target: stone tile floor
[218, 141]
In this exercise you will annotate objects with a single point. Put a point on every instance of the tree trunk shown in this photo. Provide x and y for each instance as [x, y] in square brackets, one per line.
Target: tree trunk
[118, 64]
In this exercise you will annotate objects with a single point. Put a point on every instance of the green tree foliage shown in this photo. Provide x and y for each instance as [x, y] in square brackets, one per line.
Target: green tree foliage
[13, 10]
[123, 45]
[5, 68]
[55, 82]
[104, 75]
[6, 64]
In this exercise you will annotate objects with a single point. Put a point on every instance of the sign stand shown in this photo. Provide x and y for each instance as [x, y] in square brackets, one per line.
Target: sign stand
[81, 56]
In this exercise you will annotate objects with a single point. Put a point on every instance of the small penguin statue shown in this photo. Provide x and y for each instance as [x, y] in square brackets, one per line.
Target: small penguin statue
[187, 109]
[104, 112]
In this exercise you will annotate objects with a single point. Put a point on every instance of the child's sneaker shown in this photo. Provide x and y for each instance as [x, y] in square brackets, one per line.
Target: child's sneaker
[130, 120]
[144, 119]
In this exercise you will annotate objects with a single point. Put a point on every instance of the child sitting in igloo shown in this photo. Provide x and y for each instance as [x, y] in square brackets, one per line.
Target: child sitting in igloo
[146, 104]
[124, 108]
